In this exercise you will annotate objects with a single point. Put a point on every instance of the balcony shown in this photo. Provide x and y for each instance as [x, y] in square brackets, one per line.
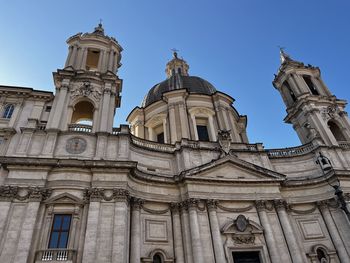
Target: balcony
[55, 255]
[80, 127]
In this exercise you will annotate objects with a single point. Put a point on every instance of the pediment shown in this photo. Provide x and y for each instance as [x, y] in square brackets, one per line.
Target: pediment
[64, 198]
[233, 168]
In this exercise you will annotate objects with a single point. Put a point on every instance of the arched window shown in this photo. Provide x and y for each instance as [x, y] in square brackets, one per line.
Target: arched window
[83, 113]
[8, 111]
[321, 256]
[310, 85]
[157, 258]
[337, 133]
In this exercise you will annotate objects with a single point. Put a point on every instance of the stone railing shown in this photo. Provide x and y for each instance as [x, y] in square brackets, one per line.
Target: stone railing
[290, 152]
[80, 127]
[55, 255]
[152, 145]
[115, 131]
[344, 144]
[41, 126]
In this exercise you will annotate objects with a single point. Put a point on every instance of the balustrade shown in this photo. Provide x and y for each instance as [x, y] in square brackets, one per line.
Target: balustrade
[292, 151]
[79, 127]
[55, 255]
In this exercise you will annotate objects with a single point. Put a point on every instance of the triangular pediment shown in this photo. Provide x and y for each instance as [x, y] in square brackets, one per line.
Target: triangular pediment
[64, 198]
[232, 168]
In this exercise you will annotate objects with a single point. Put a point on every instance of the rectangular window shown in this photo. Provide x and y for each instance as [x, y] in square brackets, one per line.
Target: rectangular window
[60, 231]
[203, 134]
[160, 137]
[246, 257]
[48, 108]
[92, 59]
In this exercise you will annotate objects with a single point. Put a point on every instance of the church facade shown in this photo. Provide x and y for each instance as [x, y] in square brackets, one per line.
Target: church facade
[181, 182]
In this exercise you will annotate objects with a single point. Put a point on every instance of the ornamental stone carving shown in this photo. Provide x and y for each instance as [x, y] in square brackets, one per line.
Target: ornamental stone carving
[322, 205]
[137, 203]
[9, 193]
[99, 194]
[224, 138]
[280, 204]
[260, 205]
[244, 239]
[86, 90]
[241, 223]
[212, 204]
[329, 112]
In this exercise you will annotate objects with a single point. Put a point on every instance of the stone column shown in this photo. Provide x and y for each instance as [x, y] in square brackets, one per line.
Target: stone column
[100, 59]
[172, 123]
[111, 60]
[333, 232]
[150, 134]
[270, 239]
[36, 195]
[83, 61]
[72, 57]
[297, 254]
[211, 127]
[195, 132]
[89, 254]
[120, 230]
[185, 228]
[70, 50]
[178, 246]
[4, 208]
[215, 231]
[104, 61]
[195, 232]
[73, 239]
[184, 121]
[105, 108]
[165, 131]
[57, 111]
[135, 246]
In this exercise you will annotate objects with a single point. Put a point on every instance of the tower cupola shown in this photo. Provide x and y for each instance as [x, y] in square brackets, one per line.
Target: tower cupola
[315, 113]
[88, 87]
[176, 66]
[94, 52]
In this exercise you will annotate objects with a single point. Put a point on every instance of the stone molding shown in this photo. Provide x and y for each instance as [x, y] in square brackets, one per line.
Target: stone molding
[102, 194]
[11, 193]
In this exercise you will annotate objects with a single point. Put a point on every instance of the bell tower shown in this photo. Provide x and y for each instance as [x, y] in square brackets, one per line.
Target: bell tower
[88, 87]
[315, 113]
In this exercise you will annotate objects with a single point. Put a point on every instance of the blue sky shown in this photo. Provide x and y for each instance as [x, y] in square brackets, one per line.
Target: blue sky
[232, 44]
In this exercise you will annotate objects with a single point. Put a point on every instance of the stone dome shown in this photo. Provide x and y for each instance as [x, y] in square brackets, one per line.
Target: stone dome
[192, 84]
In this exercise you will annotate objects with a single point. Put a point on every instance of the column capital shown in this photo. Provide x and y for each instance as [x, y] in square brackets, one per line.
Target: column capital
[322, 205]
[280, 204]
[211, 204]
[121, 195]
[260, 205]
[175, 207]
[137, 203]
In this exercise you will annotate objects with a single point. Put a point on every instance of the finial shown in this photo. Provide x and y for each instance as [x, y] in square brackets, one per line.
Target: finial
[283, 55]
[174, 52]
[99, 29]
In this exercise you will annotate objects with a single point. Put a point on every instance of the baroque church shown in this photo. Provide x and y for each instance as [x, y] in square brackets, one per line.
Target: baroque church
[180, 182]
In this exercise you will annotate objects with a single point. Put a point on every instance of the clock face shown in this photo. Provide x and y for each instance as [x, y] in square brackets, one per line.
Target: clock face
[76, 145]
